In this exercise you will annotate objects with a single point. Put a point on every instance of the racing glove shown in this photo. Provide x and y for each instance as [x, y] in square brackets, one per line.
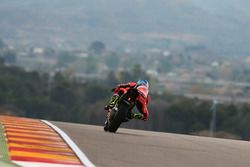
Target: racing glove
[137, 116]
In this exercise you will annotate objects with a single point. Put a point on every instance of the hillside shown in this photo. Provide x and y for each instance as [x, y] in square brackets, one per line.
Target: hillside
[220, 26]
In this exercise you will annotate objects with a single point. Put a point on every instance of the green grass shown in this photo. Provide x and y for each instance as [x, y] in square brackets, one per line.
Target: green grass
[4, 154]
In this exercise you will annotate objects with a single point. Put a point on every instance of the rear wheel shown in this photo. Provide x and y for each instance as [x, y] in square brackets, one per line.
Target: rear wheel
[106, 126]
[117, 118]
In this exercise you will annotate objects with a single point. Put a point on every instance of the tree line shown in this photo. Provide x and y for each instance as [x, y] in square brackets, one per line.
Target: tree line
[37, 95]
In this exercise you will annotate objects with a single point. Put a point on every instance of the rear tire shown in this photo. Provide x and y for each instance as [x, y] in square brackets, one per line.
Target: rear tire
[118, 118]
[106, 126]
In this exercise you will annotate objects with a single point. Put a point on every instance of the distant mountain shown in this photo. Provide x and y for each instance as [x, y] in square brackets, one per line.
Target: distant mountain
[222, 26]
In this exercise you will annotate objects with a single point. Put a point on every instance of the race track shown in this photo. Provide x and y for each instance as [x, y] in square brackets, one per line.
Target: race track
[134, 148]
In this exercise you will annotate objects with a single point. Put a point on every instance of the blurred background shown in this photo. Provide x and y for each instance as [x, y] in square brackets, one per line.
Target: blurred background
[59, 60]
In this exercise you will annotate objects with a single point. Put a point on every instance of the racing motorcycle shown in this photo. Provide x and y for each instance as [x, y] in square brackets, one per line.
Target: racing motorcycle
[121, 112]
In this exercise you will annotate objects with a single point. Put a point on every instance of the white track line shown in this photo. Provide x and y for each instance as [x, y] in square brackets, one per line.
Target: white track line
[38, 164]
[72, 145]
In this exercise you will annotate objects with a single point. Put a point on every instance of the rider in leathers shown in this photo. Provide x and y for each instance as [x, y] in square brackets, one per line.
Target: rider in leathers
[142, 100]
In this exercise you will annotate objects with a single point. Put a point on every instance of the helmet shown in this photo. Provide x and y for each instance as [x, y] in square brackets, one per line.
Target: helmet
[142, 82]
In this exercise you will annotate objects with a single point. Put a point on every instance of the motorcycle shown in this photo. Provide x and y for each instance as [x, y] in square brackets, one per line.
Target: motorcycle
[121, 112]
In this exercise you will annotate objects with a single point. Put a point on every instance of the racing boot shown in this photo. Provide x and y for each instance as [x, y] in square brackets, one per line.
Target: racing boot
[114, 99]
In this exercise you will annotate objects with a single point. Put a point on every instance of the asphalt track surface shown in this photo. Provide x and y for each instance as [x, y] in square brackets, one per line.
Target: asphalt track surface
[134, 148]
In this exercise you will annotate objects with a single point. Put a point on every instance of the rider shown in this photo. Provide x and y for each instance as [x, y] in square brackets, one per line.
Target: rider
[142, 100]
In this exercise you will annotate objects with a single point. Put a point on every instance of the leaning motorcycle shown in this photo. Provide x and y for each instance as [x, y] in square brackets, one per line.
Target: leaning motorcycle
[121, 112]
